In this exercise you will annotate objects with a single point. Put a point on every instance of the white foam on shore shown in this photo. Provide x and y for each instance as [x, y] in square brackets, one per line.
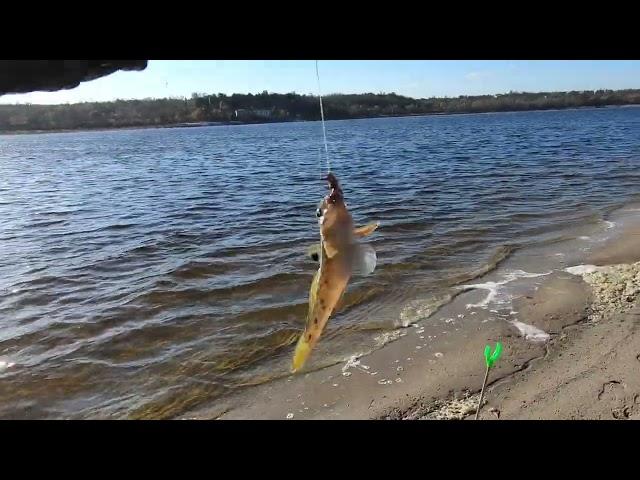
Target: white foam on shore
[584, 269]
[495, 295]
[354, 362]
[4, 365]
[491, 287]
[529, 332]
[387, 337]
[609, 224]
[351, 363]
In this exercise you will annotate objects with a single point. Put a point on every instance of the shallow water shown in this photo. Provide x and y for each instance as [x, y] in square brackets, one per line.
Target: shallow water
[145, 272]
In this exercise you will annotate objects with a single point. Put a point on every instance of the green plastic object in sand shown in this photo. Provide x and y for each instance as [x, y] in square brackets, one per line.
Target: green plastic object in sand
[491, 358]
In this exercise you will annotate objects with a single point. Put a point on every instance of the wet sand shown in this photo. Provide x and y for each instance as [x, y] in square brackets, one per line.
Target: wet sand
[574, 355]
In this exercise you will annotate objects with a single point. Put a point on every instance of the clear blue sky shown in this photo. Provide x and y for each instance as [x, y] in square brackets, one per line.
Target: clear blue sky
[415, 78]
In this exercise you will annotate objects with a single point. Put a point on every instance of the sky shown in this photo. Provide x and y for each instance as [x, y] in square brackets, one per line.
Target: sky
[413, 78]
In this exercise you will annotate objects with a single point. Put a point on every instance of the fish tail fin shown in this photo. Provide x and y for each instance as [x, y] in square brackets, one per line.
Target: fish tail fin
[303, 349]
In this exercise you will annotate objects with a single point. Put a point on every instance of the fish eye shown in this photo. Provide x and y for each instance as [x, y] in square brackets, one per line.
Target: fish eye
[318, 213]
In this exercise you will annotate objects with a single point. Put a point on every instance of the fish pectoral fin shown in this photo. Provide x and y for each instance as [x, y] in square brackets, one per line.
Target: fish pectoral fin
[329, 250]
[366, 230]
[314, 252]
[364, 259]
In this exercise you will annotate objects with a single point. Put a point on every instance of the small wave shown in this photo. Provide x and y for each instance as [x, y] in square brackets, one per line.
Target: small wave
[265, 285]
[494, 288]
[117, 226]
[500, 255]
[407, 226]
[548, 241]
[196, 269]
[287, 311]
[46, 223]
[422, 309]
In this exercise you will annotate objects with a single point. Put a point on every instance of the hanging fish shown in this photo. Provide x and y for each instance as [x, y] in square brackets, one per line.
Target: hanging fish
[340, 256]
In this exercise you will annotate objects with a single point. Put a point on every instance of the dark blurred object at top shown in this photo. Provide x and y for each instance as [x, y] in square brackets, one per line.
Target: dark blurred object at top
[24, 76]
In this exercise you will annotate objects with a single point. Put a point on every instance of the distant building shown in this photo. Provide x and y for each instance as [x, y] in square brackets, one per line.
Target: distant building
[247, 113]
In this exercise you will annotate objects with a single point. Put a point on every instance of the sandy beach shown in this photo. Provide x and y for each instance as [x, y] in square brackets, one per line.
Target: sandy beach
[572, 353]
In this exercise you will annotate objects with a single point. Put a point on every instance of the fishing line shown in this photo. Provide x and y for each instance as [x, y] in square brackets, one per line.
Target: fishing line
[324, 131]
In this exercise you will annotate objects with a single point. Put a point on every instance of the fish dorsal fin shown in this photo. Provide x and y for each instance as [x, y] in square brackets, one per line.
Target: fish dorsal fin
[366, 230]
[364, 259]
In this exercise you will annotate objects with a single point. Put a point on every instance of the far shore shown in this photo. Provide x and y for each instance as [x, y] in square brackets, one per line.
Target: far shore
[262, 122]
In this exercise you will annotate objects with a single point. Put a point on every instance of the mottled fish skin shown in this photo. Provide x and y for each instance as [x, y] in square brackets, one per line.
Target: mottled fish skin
[337, 244]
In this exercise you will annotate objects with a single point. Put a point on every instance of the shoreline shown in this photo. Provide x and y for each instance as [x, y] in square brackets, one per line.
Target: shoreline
[257, 122]
[571, 353]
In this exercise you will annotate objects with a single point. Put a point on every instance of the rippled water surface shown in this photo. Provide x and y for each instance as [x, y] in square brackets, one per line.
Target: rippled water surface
[145, 272]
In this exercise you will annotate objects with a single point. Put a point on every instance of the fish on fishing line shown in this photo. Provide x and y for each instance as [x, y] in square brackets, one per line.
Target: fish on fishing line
[340, 255]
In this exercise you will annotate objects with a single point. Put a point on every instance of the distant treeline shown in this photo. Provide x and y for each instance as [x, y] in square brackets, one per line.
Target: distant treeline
[274, 107]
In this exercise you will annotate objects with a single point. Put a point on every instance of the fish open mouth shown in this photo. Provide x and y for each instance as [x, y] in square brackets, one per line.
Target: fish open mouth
[336, 192]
